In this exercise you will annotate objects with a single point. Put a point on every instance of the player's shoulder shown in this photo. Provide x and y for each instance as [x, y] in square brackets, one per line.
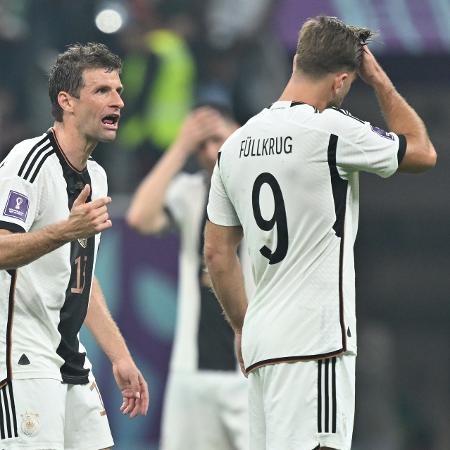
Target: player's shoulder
[27, 158]
[341, 117]
[189, 180]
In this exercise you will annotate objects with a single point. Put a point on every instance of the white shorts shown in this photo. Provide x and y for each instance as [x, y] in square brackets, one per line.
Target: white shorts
[51, 415]
[206, 410]
[302, 405]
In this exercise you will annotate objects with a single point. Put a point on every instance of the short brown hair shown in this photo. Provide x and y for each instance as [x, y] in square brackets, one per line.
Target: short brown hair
[67, 72]
[328, 45]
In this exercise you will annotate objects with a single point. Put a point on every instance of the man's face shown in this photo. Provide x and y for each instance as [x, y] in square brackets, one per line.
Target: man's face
[97, 110]
[207, 153]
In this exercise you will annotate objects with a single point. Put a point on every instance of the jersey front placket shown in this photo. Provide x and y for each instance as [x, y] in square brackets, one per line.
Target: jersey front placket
[74, 310]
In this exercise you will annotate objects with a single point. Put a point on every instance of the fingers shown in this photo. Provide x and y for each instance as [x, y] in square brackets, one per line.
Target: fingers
[84, 194]
[135, 400]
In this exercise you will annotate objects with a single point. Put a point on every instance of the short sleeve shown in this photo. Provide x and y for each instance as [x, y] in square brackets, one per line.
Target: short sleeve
[364, 147]
[220, 209]
[178, 195]
[19, 198]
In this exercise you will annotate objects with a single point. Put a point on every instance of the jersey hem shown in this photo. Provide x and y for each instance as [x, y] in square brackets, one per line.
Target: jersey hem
[289, 359]
[25, 375]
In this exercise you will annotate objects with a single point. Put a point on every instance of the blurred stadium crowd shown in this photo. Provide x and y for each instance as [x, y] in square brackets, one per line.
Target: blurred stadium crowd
[237, 53]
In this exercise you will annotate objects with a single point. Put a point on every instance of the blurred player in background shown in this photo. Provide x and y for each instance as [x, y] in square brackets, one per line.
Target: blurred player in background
[53, 206]
[206, 398]
[288, 182]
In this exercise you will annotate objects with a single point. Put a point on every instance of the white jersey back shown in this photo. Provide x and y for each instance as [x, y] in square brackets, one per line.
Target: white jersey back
[289, 177]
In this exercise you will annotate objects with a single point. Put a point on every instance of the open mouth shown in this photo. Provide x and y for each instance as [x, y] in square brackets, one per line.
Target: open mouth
[111, 121]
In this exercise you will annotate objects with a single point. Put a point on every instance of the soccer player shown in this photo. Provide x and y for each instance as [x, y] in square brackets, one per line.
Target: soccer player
[288, 181]
[53, 208]
[206, 397]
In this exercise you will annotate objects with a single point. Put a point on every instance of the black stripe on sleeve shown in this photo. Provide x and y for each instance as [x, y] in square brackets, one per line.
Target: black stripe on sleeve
[10, 226]
[36, 157]
[218, 159]
[38, 168]
[22, 167]
[401, 148]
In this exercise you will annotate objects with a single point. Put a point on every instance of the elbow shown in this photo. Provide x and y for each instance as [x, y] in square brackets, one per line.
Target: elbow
[133, 221]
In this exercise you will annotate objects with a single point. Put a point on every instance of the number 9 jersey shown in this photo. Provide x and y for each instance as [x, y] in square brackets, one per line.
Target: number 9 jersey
[289, 177]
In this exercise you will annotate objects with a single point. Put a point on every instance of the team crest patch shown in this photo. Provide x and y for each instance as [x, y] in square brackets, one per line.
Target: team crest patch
[30, 424]
[382, 133]
[17, 206]
[83, 242]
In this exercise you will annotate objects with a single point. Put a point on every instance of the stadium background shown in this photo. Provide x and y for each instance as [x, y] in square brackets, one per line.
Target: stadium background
[238, 52]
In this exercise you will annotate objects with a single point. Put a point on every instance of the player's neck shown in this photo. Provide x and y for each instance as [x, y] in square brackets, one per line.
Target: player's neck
[75, 147]
[314, 93]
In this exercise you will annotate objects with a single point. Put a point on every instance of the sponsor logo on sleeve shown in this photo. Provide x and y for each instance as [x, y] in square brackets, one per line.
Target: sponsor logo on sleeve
[17, 206]
[382, 133]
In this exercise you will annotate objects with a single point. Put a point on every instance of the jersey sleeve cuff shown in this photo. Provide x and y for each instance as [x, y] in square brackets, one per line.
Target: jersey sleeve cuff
[10, 226]
[401, 148]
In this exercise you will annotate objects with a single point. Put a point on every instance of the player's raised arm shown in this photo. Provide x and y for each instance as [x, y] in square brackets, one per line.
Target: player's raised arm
[146, 213]
[400, 117]
[85, 219]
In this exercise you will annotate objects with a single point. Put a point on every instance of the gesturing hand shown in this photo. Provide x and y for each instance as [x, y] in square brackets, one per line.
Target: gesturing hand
[135, 397]
[87, 219]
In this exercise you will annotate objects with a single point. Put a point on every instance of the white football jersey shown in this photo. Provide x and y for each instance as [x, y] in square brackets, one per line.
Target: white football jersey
[43, 304]
[289, 177]
[203, 339]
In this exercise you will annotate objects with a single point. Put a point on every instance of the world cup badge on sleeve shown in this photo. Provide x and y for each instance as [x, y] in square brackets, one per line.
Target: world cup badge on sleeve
[17, 206]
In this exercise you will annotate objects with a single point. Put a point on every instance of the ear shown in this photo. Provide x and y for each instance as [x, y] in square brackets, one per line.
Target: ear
[339, 81]
[294, 63]
[66, 101]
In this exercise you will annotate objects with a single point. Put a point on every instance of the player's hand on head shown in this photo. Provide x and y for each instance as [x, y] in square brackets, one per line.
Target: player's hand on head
[200, 125]
[134, 388]
[370, 70]
[88, 218]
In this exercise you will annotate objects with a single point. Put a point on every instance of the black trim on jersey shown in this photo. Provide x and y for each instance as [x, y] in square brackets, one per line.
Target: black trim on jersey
[319, 396]
[294, 358]
[333, 395]
[74, 310]
[38, 168]
[303, 103]
[8, 421]
[346, 113]
[339, 187]
[34, 161]
[9, 323]
[401, 148]
[219, 155]
[327, 400]
[24, 163]
[10, 226]
[326, 396]
[215, 337]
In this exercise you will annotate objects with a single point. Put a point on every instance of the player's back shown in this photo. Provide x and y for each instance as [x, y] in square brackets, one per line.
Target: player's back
[290, 178]
[276, 172]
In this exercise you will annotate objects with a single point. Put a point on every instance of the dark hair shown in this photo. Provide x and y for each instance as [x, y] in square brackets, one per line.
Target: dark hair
[67, 72]
[327, 45]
